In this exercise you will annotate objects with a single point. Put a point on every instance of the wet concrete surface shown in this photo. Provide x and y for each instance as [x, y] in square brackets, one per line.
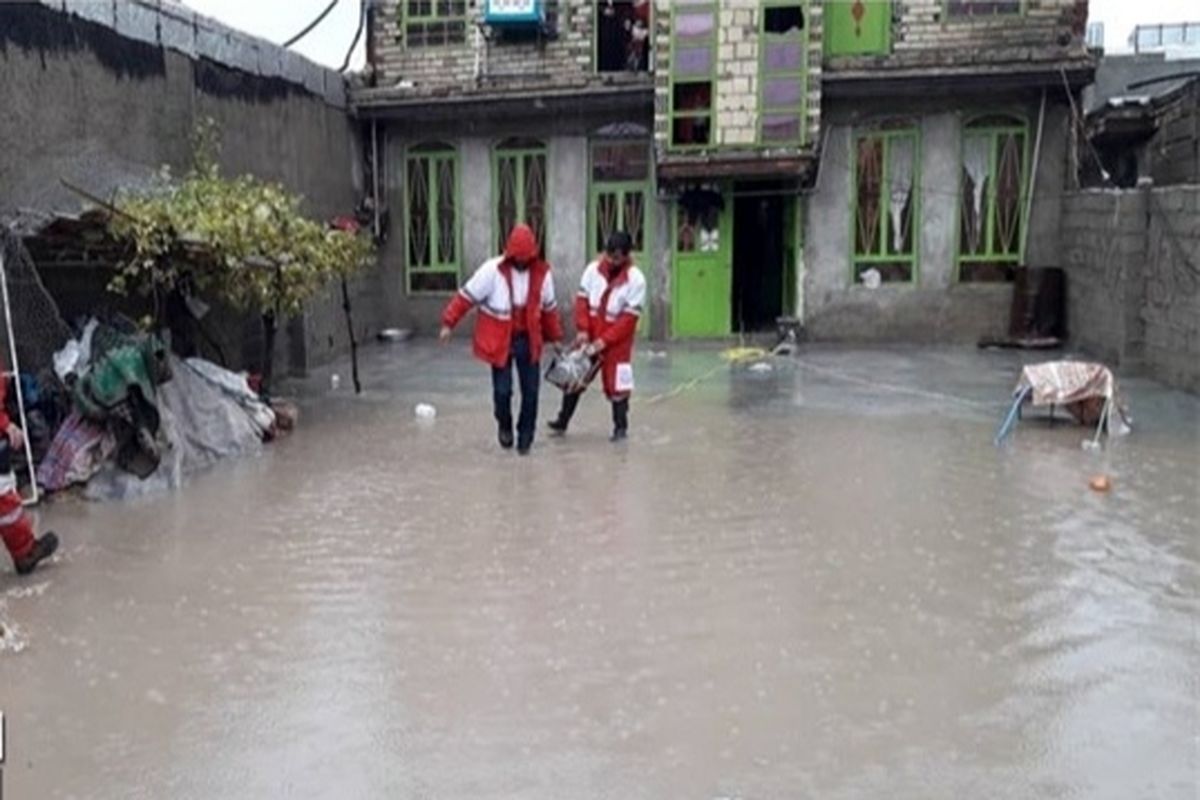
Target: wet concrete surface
[818, 581]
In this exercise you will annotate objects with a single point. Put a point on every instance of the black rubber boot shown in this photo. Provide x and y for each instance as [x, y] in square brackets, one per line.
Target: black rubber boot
[43, 548]
[620, 413]
[569, 404]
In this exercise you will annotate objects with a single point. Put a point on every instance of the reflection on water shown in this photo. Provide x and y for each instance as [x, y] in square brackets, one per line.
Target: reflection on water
[821, 580]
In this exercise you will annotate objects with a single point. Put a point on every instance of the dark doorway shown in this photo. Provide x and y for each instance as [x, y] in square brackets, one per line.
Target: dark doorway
[622, 35]
[759, 245]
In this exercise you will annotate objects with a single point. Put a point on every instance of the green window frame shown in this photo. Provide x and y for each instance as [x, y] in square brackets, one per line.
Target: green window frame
[521, 189]
[692, 94]
[886, 203]
[433, 219]
[982, 9]
[993, 195]
[433, 23]
[783, 74]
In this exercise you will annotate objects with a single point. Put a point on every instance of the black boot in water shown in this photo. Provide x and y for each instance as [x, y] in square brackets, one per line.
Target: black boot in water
[43, 548]
[620, 420]
[569, 404]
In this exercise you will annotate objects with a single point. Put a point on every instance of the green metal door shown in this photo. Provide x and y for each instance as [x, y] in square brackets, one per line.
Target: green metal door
[703, 272]
[623, 206]
[861, 27]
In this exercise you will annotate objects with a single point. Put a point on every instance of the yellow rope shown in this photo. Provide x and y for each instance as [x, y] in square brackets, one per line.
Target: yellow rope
[737, 355]
[734, 355]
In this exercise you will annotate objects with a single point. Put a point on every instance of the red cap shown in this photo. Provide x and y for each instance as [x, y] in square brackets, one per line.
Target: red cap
[522, 244]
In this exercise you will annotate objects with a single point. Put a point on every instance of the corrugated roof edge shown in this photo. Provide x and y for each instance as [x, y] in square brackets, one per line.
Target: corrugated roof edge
[172, 25]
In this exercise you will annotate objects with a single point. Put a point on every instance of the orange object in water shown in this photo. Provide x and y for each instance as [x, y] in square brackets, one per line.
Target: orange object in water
[1100, 483]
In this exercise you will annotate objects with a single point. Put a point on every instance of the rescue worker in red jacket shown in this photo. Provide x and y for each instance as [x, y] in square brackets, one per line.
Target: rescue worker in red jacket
[518, 312]
[608, 307]
[16, 528]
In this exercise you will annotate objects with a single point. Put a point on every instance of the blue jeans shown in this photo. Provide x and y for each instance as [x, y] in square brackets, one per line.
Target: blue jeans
[529, 375]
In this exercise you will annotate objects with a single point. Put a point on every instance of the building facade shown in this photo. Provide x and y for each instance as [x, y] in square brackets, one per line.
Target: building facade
[877, 169]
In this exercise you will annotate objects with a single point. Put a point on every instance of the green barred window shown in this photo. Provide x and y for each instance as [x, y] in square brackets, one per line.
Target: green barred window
[432, 219]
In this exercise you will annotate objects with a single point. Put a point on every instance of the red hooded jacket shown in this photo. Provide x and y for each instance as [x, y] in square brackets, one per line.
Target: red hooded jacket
[491, 290]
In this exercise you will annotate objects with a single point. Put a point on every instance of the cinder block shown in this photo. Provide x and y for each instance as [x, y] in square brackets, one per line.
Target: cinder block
[136, 21]
[177, 30]
[102, 13]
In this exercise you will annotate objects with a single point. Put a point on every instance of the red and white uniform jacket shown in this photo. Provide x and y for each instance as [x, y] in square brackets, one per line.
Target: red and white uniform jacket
[11, 507]
[510, 301]
[608, 309]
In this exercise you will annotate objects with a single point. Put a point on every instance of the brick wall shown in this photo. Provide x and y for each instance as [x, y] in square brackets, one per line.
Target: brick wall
[494, 64]
[1133, 282]
[924, 34]
[737, 74]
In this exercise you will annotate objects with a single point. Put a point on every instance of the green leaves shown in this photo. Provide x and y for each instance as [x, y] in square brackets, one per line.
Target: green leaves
[241, 239]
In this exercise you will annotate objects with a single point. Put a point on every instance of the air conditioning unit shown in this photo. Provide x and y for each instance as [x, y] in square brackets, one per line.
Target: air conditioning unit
[515, 14]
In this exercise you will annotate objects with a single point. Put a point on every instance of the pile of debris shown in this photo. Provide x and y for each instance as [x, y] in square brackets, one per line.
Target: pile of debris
[110, 410]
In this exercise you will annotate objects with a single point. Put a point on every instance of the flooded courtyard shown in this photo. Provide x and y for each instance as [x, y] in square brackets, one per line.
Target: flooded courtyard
[821, 580]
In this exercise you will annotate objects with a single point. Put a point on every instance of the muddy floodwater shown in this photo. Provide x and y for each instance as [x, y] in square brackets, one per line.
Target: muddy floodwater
[818, 581]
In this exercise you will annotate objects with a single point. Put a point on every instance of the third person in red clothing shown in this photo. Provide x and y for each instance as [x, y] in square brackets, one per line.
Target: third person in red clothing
[608, 307]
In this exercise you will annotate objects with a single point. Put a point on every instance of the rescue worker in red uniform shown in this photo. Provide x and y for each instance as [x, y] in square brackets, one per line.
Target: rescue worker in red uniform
[16, 528]
[608, 308]
[518, 312]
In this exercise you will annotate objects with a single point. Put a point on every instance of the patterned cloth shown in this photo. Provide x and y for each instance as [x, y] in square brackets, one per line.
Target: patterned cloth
[1084, 388]
[78, 451]
[1063, 382]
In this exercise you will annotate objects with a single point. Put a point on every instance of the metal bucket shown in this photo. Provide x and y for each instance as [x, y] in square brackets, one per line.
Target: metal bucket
[569, 369]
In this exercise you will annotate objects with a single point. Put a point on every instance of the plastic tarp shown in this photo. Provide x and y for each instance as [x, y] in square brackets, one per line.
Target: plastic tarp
[201, 424]
[237, 387]
[569, 370]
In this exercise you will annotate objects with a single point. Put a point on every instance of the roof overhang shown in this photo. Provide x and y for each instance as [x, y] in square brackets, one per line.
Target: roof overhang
[383, 104]
[887, 82]
[736, 165]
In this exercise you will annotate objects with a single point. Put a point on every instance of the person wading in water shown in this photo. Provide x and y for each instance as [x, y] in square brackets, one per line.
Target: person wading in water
[514, 293]
[608, 307]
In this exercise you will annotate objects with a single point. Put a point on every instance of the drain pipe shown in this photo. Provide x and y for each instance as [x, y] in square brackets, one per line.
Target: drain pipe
[1037, 158]
[481, 54]
[375, 178]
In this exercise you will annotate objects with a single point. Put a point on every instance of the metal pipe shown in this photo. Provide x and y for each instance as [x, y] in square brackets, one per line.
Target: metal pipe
[1164, 79]
[16, 366]
[375, 176]
[1037, 157]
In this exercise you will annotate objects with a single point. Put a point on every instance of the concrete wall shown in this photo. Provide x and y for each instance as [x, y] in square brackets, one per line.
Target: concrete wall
[1133, 279]
[935, 307]
[106, 95]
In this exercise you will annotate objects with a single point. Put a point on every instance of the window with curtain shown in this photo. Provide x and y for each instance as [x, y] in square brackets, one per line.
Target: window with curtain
[432, 220]
[886, 204]
[992, 199]
[519, 170]
[693, 69]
